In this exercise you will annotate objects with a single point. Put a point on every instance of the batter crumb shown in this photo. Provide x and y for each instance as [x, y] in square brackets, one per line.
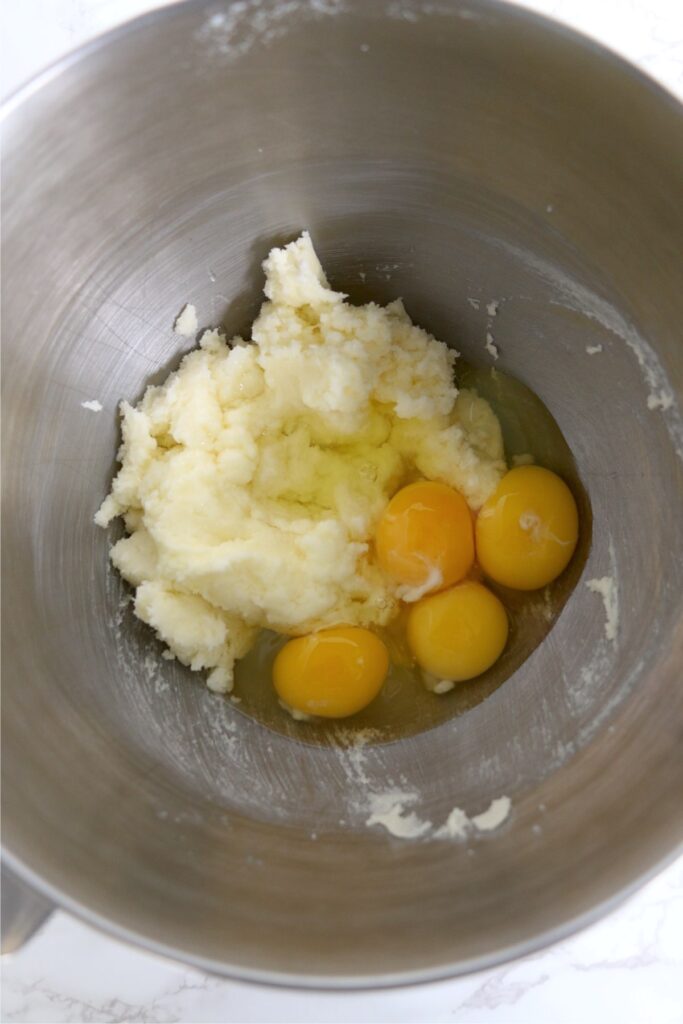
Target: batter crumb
[491, 346]
[186, 322]
[605, 586]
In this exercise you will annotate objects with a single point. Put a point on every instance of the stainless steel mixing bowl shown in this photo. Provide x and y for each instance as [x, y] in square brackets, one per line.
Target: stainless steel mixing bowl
[446, 152]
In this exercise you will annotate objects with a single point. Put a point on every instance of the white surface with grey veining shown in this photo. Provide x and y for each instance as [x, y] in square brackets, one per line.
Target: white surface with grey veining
[628, 968]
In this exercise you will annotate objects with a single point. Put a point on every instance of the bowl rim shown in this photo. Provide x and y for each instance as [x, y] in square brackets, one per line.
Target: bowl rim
[339, 982]
[26, 89]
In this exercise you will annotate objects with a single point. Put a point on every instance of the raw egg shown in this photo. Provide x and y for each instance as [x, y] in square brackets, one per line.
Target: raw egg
[425, 538]
[527, 531]
[459, 633]
[333, 673]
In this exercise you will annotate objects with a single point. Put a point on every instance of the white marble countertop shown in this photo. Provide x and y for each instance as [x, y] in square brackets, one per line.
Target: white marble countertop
[627, 968]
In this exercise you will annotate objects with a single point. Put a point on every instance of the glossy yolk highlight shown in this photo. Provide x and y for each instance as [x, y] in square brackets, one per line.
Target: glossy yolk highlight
[527, 531]
[333, 673]
[425, 538]
[458, 633]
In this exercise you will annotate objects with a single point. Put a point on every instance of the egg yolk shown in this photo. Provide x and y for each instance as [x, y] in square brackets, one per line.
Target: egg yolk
[425, 538]
[527, 531]
[333, 673]
[459, 633]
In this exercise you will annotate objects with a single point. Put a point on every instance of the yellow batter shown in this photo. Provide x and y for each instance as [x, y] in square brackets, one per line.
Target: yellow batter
[252, 480]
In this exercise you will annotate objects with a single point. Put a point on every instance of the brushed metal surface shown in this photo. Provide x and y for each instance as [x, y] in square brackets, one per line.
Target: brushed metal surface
[443, 152]
[23, 912]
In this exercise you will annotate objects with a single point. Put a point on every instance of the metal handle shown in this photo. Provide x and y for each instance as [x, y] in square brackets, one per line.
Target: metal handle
[23, 911]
